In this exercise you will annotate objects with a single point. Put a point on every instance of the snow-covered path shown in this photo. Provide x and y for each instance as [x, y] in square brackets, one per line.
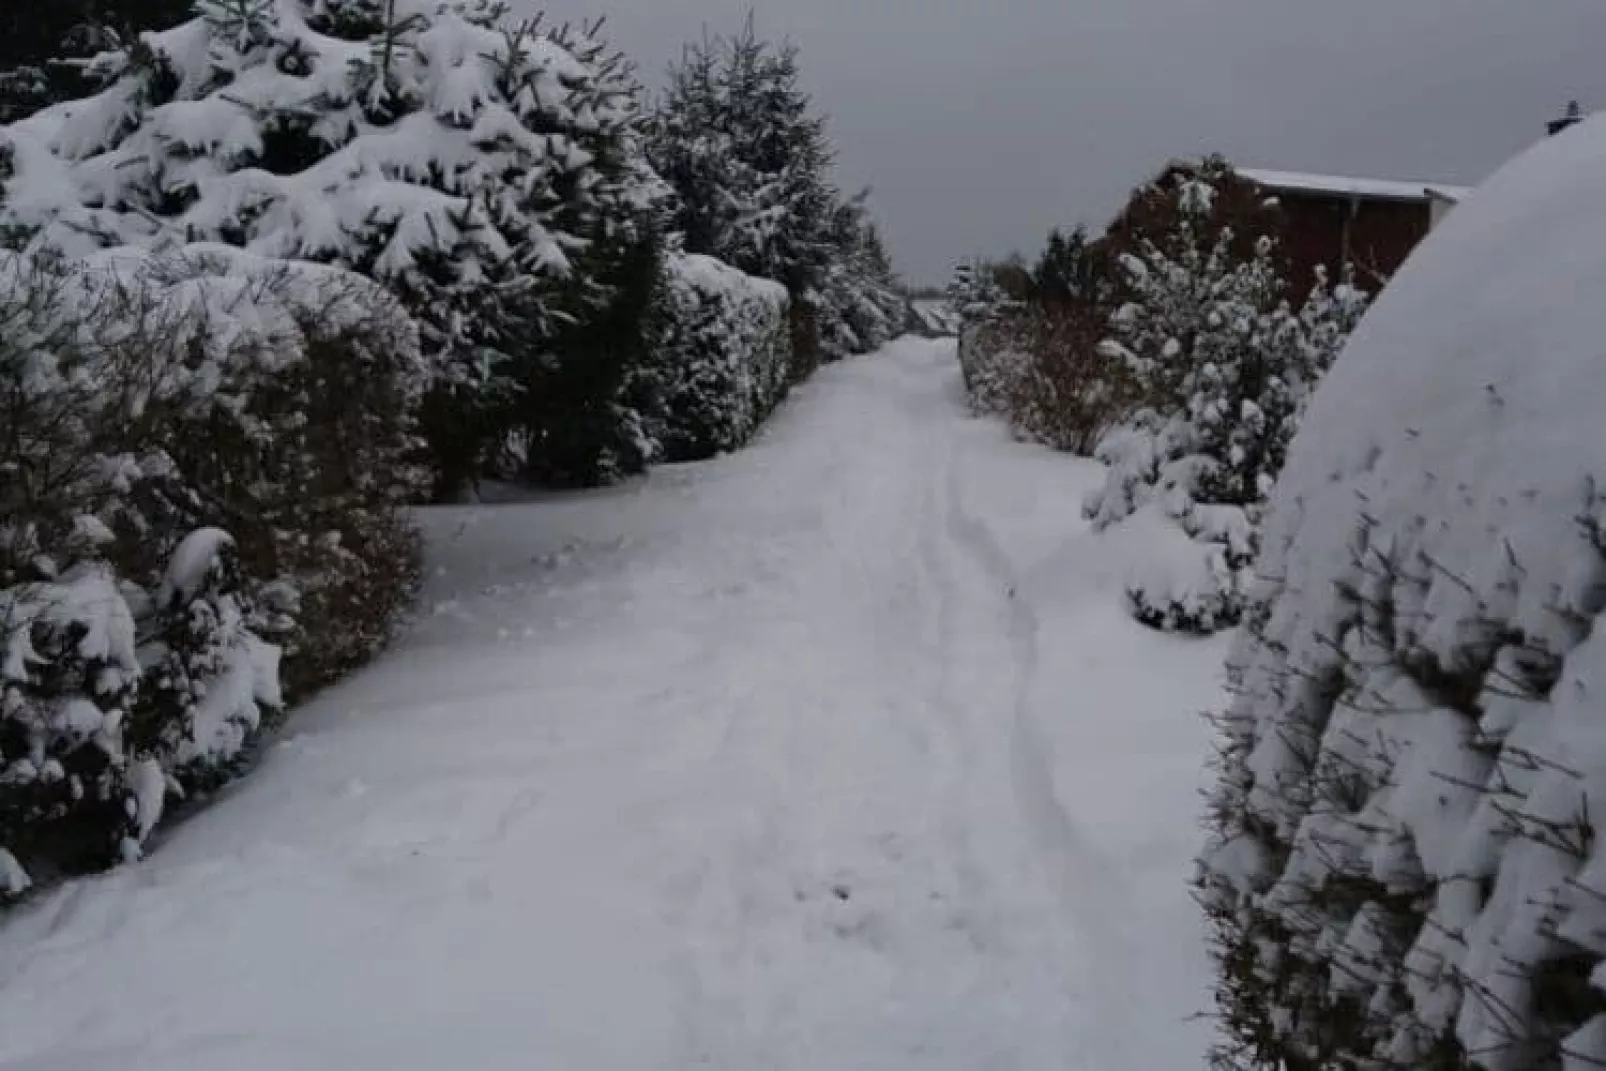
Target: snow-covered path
[834, 754]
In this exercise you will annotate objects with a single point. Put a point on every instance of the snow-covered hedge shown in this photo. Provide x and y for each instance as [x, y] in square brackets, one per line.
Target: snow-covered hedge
[202, 466]
[992, 359]
[1405, 869]
[723, 355]
[991, 350]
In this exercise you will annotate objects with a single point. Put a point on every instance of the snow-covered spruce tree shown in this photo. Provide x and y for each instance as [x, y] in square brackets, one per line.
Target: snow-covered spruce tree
[584, 419]
[859, 303]
[749, 159]
[1405, 869]
[481, 170]
[1222, 366]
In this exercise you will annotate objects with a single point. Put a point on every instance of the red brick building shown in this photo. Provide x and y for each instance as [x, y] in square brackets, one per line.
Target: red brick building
[1371, 223]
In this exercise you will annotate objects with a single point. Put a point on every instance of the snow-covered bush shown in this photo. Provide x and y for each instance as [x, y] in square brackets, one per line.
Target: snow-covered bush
[306, 452]
[208, 677]
[68, 678]
[1195, 556]
[723, 356]
[1221, 367]
[479, 169]
[1029, 344]
[203, 460]
[1404, 869]
[991, 346]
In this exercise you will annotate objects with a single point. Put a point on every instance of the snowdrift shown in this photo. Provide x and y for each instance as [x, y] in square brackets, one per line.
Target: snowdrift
[1404, 870]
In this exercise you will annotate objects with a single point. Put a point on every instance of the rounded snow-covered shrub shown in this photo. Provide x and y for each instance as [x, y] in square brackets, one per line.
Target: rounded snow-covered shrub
[298, 438]
[1192, 558]
[202, 469]
[1404, 869]
[722, 356]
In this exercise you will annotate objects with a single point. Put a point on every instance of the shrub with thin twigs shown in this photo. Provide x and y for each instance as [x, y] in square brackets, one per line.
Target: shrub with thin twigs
[201, 477]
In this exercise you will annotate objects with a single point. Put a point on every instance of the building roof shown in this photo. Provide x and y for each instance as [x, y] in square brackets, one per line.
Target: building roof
[1340, 185]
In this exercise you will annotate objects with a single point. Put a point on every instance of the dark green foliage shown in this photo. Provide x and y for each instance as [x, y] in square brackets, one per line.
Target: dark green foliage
[45, 47]
[1070, 268]
[582, 412]
[64, 808]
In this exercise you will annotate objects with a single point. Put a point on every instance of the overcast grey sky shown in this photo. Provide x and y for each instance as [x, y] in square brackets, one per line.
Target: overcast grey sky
[983, 123]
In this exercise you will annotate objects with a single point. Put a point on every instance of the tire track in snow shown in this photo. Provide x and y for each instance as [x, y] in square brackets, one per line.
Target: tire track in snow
[1089, 882]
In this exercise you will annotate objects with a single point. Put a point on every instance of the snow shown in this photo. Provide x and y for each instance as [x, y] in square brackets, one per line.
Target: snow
[13, 879]
[1387, 189]
[190, 565]
[88, 600]
[147, 783]
[1441, 505]
[838, 752]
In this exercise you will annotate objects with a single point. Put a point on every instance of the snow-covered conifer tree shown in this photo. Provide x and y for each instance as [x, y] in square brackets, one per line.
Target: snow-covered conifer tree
[740, 142]
[749, 160]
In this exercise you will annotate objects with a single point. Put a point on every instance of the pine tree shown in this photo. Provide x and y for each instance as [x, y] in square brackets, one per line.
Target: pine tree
[861, 306]
[1067, 269]
[749, 160]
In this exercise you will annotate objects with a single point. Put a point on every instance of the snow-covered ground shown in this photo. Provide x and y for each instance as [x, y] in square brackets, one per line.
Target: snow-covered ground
[837, 753]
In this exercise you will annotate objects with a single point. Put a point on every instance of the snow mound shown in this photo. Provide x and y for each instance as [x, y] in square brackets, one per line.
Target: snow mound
[1403, 868]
